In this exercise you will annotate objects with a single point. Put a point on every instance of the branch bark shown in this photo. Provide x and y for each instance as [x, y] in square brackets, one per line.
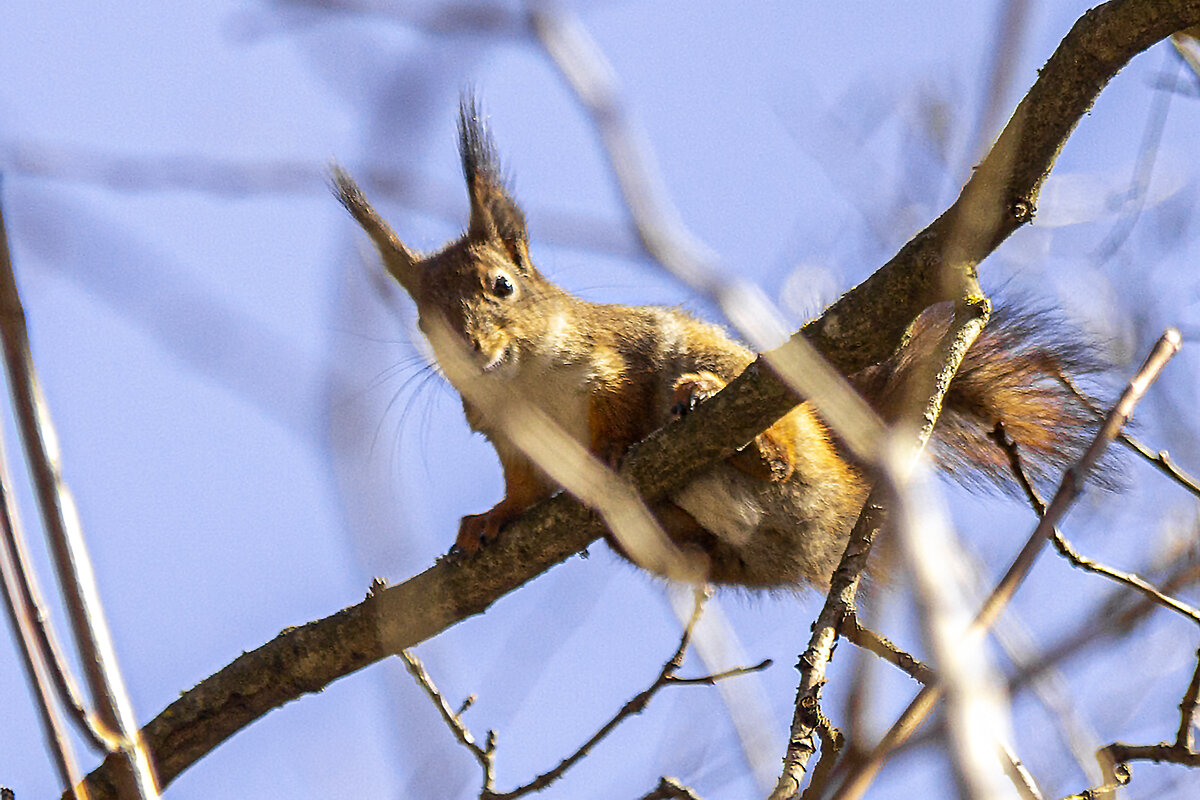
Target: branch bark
[861, 328]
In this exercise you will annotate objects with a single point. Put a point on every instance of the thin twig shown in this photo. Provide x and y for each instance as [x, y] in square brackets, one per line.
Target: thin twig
[1068, 551]
[1130, 579]
[484, 755]
[1070, 487]
[24, 592]
[712, 678]
[1184, 737]
[1160, 459]
[832, 742]
[867, 639]
[1122, 752]
[808, 721]
[67, 547]
[635, 706]
[24, 618]
[1019, 774]
[1102, 790]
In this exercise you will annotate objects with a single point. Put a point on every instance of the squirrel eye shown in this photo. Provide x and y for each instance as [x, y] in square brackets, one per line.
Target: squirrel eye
[502, 285]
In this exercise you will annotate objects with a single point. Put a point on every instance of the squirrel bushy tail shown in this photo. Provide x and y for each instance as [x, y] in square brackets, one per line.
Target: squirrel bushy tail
[1019, 374]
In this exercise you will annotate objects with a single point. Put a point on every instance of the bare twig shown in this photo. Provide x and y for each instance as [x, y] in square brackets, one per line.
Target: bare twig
[67, 547]
[1068, 551]
[832, 742]
[1185, 736]
[1163, 461]
[814, 662]
[713, 677]
[1160, 459]
[1162, 752]
[1130, 579]
[26, 621]
[1102, 790]
[1019, 775]
[867, 639]
[636, 705]
[25, 600]
[1068, 490]
[1114, 758]
[486, 755]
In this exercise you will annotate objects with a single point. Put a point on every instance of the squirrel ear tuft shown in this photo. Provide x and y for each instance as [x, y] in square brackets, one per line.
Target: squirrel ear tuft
[494, 214]
[401, 262]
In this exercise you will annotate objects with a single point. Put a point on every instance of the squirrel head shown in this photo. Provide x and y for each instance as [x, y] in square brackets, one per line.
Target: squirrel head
[482, 288]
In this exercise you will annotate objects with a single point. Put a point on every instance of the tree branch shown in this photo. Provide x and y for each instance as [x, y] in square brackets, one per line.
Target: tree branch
[869, 640]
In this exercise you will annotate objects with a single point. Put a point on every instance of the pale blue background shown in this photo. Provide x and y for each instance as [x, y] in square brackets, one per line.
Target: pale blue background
[219, 353]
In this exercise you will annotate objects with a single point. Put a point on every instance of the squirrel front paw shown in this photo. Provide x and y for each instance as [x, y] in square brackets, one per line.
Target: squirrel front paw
[476, 530]
[690, 389]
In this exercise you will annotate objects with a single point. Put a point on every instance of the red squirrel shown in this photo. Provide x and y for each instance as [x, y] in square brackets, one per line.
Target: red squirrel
[775, 514]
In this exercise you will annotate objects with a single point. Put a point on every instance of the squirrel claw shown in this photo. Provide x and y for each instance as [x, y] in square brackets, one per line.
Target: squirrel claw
[476, 530]
[690, 389]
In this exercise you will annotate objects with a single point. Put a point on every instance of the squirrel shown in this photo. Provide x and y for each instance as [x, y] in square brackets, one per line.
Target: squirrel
[775, 514]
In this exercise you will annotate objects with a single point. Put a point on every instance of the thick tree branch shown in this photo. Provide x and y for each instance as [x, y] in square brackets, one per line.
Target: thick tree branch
[864, 326]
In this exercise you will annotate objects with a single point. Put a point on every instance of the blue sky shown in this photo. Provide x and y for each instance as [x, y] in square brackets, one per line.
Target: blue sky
[227, 371]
